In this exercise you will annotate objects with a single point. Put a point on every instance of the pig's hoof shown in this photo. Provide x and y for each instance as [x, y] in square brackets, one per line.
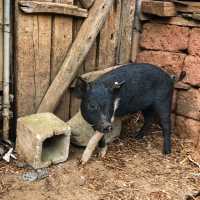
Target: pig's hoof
[102, 152]
[167, 151]
[139, 136]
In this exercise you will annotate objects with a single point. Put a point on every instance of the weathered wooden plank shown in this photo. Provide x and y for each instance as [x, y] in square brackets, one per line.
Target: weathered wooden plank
[33, 44]
[179, 21]
[126, 28]
[136, 30]
[159, 8]
[109, 37]
[77, 53]
[87, 3]
[75, 102]
[1, 45]
[53, 8]
[191, 7]
[61, 41]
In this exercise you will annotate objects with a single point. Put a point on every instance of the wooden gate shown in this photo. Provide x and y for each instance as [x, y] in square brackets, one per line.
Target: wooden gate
[43, 40]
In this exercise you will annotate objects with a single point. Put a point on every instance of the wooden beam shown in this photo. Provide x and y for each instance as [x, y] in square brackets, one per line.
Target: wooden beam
[76, 55]
[53, 8]
[87, 3]
[188, 7]
[91, 76]
[159, 8]
[179, 21]
[195, 16]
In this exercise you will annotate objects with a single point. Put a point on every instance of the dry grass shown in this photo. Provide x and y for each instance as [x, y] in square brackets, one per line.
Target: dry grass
[132, 170]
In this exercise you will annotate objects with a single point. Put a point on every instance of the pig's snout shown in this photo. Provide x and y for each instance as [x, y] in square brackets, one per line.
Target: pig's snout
[107, 128]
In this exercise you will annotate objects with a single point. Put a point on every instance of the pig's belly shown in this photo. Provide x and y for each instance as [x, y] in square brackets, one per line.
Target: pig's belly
[133, 105]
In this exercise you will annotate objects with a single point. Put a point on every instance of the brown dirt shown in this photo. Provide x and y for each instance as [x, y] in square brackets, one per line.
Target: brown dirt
[132, 170]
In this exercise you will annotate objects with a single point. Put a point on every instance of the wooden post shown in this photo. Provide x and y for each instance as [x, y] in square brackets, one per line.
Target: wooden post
[76, 54]
[136, 30]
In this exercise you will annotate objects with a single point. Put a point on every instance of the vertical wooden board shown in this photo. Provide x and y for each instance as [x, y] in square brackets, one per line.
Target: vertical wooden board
[61, 41]
[1, 44]
[109, 36]
[75, 102]
[32, 54]
[90, 61]
[126, 28]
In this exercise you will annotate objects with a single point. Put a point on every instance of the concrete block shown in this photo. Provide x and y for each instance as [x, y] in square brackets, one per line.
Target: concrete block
[42, 139]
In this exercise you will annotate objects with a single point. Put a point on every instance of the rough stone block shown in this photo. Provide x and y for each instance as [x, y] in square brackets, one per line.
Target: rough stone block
[171, 62]
[42, 139]
[188, 128]
[164, 37]
[194, 44]
[192, 68]
[188, 103]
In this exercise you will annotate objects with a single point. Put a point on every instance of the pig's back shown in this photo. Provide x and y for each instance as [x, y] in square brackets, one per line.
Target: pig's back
[144, 83]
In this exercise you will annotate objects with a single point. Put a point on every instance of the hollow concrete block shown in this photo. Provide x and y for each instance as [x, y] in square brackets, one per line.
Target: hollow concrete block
[42, 139]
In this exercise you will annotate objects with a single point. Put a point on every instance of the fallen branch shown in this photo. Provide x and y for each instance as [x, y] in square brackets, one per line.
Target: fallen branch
[91, 147]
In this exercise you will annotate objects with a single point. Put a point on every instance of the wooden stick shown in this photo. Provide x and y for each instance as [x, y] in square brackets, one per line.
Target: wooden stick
[87, 3]
[55, 8]
[91, 147]
[76, 55]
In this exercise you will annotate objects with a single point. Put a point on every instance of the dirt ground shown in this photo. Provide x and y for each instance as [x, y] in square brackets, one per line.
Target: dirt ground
[132, 170]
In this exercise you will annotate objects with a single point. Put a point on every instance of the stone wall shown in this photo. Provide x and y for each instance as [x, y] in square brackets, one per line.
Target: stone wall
[176, 48]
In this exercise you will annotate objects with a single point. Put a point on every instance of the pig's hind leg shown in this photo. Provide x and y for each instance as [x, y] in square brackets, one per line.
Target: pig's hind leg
[102, 147]
[164, 112]
[149, 116]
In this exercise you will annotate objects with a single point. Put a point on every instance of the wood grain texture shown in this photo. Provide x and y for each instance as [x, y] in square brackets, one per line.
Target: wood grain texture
[1, 45]
[76, 55]
[33, 44]
[61, 42]
[159, 8]
[109, 36]
[53, 8]
[126, 29]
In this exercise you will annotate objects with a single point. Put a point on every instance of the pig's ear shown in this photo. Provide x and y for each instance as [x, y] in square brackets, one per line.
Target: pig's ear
[117, 85]
[80, 88]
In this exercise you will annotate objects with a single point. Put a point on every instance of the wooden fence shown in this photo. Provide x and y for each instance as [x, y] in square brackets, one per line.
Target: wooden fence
[42, 42]
[1, 44]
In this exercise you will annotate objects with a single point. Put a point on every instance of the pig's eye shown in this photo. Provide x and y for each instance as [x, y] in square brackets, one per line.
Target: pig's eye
[92, 107]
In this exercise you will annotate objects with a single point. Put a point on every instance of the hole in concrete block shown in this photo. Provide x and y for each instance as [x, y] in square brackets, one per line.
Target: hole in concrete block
[53, 148]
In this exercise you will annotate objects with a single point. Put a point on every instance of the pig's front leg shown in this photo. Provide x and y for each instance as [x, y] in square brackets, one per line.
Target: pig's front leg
[102, 147]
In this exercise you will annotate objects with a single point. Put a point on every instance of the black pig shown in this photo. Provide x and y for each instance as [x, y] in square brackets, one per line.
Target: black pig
[126, 90]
